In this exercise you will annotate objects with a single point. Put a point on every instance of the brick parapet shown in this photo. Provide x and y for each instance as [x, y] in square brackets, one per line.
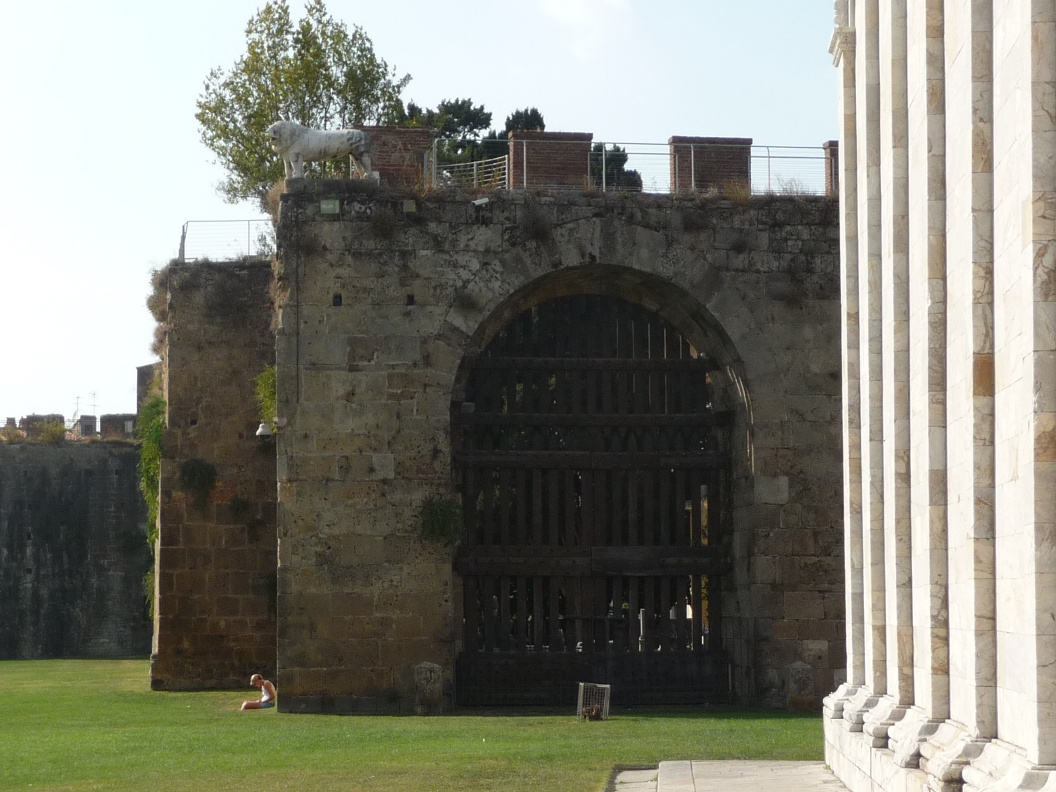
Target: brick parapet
[549, 159]
[702, 163]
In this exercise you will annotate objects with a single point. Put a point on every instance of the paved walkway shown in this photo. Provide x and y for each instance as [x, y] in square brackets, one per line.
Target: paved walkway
[730, 776]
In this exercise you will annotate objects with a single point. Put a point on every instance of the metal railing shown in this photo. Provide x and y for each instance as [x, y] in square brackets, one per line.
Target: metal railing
[226, 240]
[490, 173]
[645, 167]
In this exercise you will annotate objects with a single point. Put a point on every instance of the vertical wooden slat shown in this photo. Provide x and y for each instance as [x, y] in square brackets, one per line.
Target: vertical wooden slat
[714, 614]
[655, 377]
[665, 613]
[601, 522]
[571, 510]
[682, 602]
[649, 629]
[490, 605]
[634, 484]
[554, 631]
[521, 509]
[694, 495]
[697, 604]
[634, 628]
[587, 508]
[537, 507]
[617, 514]
[538, 632]
[649, 507]
[521, 626]
[506, 496]
[553, 502]
[601, 614]
[471, 613]
[665, 508]
[487, 516]
[469, 506]
[680, 517]
[504, 627]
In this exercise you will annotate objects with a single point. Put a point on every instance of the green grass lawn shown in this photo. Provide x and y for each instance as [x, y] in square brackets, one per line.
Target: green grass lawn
[86, 725]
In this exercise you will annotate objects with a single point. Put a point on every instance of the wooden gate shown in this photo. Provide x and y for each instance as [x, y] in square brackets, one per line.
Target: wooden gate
[593, 472]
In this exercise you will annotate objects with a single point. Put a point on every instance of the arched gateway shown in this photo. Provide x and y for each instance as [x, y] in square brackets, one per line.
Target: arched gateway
[593, 467]
[636, 400]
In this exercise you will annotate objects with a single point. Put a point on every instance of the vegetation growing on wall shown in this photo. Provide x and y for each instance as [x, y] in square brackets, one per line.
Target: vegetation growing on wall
[197, 477]
[441, 520]
[9, 434]
[158, 305]
[150, 426]
[264, 390]
[52, 431]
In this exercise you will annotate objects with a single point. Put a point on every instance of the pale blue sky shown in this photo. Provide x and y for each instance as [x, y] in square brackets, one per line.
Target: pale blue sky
[102, 162]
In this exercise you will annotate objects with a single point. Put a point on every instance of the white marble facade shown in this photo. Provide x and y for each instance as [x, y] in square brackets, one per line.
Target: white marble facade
[948, 137]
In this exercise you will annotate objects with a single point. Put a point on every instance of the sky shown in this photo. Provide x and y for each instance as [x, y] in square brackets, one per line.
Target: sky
[102, 161]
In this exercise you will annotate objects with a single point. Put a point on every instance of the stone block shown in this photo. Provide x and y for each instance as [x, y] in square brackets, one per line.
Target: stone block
[771, 489]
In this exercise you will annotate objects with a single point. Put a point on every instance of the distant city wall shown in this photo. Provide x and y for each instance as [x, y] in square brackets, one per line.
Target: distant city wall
[73, 551]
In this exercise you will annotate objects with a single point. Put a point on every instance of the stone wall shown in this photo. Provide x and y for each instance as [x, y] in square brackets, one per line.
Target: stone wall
[949, 254]
[215, 606]
[384, 299]
[73, 551]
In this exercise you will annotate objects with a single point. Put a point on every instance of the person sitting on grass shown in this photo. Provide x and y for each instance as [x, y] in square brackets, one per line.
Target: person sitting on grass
[267, 694]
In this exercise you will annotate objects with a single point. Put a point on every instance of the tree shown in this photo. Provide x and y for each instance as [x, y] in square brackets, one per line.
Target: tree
[458, 124]
[317, 72]
[529, 119]
[614, 168]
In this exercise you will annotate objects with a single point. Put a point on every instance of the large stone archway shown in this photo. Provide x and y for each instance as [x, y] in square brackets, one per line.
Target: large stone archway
[379, 305]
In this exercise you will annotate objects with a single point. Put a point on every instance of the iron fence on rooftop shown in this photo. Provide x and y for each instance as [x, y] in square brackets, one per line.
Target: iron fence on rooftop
[674, 167]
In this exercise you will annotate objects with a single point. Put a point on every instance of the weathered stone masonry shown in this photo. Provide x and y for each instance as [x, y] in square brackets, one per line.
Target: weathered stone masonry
[379, 305]
[73, 551]
[215, 561]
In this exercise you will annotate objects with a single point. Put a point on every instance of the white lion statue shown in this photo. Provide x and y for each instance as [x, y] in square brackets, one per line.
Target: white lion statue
[298, 144]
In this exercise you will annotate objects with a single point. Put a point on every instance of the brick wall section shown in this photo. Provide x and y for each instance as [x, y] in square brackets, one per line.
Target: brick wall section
[552, 159]
[701, 163]
[215, 618]
[367, 382]
[73, 551]
[399, 154]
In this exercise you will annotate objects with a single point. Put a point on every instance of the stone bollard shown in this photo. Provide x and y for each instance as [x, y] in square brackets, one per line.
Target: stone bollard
[428, 689]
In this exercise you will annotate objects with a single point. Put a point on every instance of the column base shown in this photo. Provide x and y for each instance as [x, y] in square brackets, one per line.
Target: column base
[945, 754]
[907, 735]
[855, 709]
[879, 720]
[1001, 767]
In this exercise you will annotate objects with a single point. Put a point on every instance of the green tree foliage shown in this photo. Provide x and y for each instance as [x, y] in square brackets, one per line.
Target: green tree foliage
[458, 124]
[530, 119]
[317, 72]
[613, 164]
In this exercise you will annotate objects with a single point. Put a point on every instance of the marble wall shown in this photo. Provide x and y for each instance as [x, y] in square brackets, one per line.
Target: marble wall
[950, 345]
